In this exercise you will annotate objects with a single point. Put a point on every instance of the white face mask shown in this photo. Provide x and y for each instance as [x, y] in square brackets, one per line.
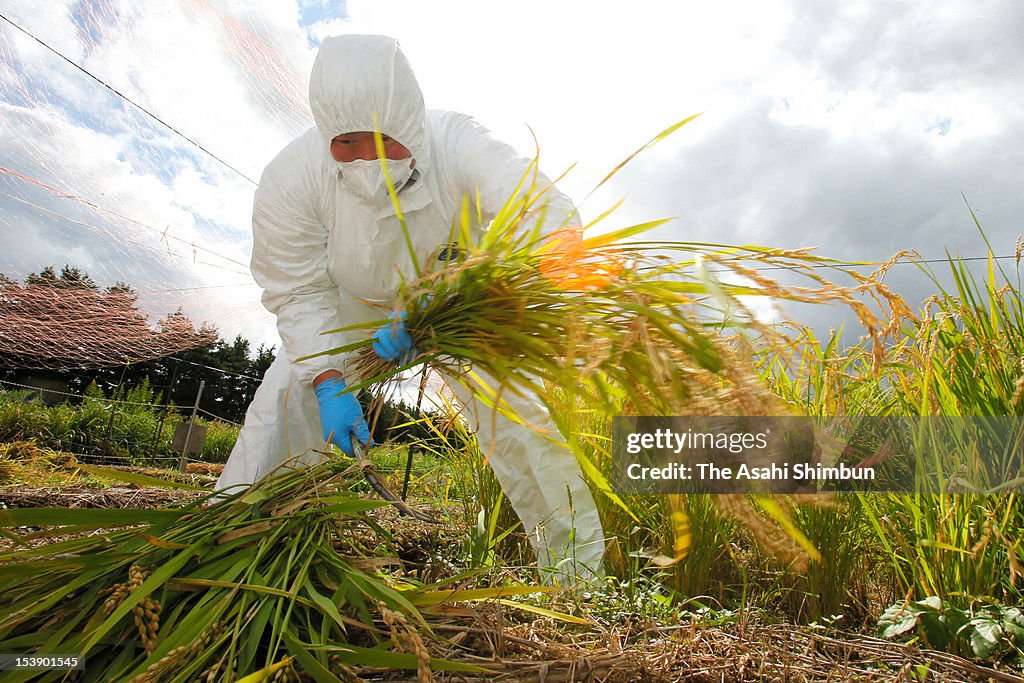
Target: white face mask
[366, 179]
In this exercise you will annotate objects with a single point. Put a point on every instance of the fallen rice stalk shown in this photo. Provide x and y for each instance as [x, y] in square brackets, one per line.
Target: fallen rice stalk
[223, 590]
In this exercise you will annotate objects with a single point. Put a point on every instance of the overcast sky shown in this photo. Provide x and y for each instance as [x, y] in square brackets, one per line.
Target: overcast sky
[856, 127]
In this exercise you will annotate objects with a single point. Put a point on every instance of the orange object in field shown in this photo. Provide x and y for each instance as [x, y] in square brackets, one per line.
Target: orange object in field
[572, 266]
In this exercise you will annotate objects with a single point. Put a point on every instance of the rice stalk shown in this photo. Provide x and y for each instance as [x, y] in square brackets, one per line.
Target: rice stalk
[958, 355]
[277, 571]
[610, 315]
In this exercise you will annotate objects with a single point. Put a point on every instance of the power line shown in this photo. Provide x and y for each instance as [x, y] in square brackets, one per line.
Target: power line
[129, 100]
[192, 289]
[217, 417]
[97, 399]
[865, 264]
[244, 176]
[207, 367]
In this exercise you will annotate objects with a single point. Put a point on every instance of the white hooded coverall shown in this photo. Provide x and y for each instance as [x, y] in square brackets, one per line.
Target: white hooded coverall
[320, 251]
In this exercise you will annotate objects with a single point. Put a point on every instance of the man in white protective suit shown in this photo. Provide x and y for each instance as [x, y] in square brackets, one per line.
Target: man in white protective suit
[326, 241]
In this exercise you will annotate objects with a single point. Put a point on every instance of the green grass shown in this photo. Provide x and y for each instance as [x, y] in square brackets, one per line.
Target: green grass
[120, 428]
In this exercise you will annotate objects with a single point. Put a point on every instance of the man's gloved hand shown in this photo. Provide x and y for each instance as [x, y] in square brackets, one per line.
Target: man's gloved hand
[393, 342]
[341, 416]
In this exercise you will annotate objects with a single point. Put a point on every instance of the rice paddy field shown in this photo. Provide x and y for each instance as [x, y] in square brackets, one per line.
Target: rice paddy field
[308, 575]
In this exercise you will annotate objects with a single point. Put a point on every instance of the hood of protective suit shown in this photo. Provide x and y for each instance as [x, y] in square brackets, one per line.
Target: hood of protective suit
[357, 77]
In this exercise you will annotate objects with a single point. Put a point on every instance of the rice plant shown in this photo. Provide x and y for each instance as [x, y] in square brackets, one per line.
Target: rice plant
[959, 355]
[965, 356]
[287, 574]
[616, 325]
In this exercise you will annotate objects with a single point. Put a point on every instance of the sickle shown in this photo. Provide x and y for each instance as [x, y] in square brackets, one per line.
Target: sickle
[374, 480]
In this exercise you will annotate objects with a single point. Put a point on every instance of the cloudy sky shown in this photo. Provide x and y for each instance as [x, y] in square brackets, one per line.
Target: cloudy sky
[856, 127]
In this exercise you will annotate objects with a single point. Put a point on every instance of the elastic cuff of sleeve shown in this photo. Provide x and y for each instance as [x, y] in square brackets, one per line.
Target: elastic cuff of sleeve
[308, 370]
[330, 387]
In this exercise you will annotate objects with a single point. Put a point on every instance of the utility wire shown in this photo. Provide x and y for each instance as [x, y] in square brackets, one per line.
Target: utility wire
[192, 289]
[864, 264]
[223, 372]
[243, 175]
[128, 100]
[97, 399]
[217, 417]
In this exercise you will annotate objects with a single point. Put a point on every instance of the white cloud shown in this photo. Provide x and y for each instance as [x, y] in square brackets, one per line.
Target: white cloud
[75, 134]
[854, 126]
[594, 80]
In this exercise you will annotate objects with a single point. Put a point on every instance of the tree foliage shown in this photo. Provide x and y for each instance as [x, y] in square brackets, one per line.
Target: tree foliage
[64, 326]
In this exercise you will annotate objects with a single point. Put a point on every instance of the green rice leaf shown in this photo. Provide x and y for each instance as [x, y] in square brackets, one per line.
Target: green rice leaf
[775, 511]
[433, 598]
[137, 479]
[84, 518]
[534, 609]
[318, 671]
[609, 238]
[650, 143]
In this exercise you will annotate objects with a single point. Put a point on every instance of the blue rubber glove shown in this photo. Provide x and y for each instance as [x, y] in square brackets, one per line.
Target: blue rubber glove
[341, 416]
[393, 342]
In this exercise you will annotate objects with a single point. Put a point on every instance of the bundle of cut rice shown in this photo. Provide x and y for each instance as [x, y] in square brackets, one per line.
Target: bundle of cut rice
[278, 577]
